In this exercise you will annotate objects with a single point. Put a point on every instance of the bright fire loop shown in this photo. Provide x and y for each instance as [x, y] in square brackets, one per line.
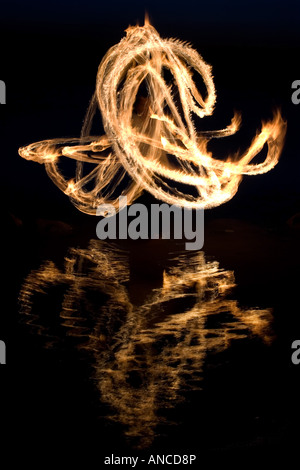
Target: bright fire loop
[151, 142]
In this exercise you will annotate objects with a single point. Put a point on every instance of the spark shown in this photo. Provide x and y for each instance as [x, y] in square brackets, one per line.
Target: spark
[151, 142]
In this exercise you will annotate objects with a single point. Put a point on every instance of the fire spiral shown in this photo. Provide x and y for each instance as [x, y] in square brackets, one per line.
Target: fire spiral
[151, 142]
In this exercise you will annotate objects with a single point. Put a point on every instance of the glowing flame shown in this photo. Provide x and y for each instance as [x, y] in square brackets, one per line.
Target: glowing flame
[153, 139]
[146, 355]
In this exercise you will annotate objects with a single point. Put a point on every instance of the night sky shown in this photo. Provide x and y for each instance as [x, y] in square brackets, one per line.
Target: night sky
[253, 13]
[51, 52]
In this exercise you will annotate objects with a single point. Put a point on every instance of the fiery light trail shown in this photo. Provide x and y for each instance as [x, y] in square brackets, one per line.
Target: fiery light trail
[153, 139]
[164, 342]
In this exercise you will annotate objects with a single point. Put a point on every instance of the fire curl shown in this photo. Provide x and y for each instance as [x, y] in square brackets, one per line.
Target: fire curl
[151, 142]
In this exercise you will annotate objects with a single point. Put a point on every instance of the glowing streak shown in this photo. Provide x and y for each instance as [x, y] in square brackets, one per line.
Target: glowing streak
[151, 138]
[182, 322]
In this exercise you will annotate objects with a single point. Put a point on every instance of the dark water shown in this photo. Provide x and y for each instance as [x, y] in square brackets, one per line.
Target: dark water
[145, 347]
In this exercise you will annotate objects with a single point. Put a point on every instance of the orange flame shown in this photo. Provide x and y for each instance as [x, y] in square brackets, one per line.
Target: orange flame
[153, 138]
[125, 337]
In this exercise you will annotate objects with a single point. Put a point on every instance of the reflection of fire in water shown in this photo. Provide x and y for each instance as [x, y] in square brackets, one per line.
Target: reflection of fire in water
[145, 357]
[151, 141]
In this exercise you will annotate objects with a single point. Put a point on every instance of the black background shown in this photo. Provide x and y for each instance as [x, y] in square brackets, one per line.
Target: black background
[49, 58]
